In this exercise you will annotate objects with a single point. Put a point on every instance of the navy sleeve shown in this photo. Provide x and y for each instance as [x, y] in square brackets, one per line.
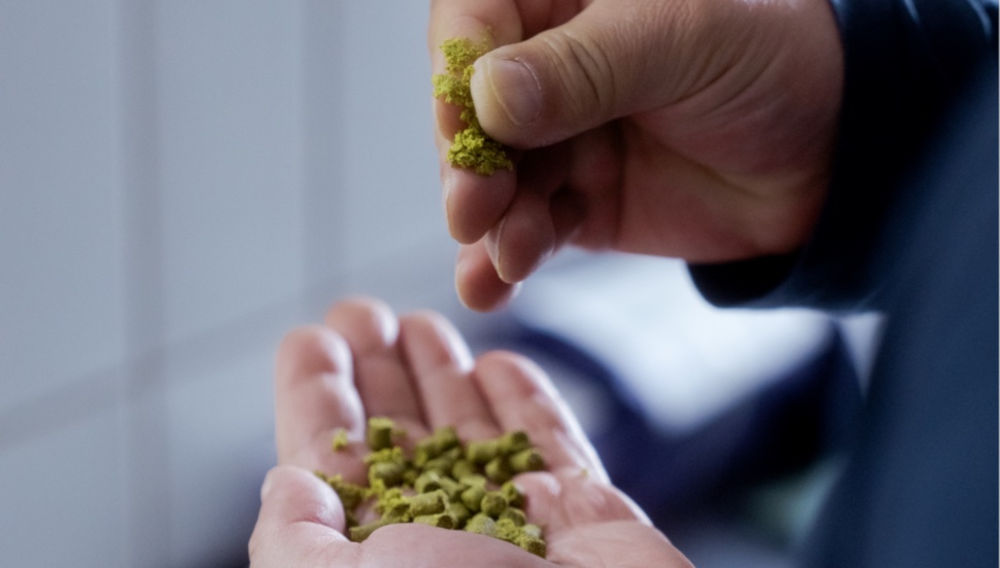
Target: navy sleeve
[904, 62]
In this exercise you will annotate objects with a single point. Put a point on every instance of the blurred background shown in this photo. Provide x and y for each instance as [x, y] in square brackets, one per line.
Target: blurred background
[182, 182]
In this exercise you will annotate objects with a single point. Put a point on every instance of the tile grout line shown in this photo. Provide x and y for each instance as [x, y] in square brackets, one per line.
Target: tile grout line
[146, 451]
[321, 122]
[95, 392]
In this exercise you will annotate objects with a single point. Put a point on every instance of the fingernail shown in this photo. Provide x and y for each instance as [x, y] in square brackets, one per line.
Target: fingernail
[515, 87]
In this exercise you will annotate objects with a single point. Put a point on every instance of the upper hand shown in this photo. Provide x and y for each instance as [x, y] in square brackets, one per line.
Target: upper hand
[418, 371]
[701, 129]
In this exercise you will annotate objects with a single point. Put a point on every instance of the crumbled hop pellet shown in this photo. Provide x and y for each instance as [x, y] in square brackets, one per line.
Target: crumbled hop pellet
[472, 148]
[445, 483]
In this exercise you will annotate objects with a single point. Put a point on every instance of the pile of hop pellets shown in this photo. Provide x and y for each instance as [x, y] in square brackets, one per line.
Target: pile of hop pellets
[446, 483]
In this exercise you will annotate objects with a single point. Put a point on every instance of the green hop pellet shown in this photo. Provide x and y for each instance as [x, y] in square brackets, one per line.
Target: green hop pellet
[462, 468]
[473, 497]
[379, 433]
[534, 545]
[474, 480]
[427, 503]
[339, 442]
[507, 530]
[351, 495]
[444, 483]
[389, 473]
[360, 533]
[513, 442]
[499, 470]
[527, 460]
[513, 515]
[440, 520]
[532, 530]
[481, 524]
[493, 504]
[459, 512]
[482, 452]
[427, 481]
[513, 494]
[453, 489]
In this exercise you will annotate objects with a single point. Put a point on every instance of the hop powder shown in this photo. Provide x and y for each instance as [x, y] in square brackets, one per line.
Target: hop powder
[472, 148]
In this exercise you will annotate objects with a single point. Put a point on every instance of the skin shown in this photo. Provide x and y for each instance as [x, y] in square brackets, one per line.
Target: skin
[691, 128]
[417, 370]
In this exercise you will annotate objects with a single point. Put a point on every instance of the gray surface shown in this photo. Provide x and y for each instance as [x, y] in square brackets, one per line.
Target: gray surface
[180, 183]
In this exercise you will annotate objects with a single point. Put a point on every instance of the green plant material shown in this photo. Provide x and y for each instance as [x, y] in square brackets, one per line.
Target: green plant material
[440, 520]
[471, 148]
[459, 512]
[513, 442]
[481, 524]
[532, 530]
[514, 515]
[340, 441]
[473, 480]
[482, 451]
[493, 504]
[445, 484]
[473, 497]
[443, 462]
[527, 460]
[453, 489]
[462, 468]
[389, 473]
[350, 494]
[427, 481]
[360, 533]
[498, 470]
[513, 495]
[379, 433]
[507, 530]
[427, 503]
[534, 545]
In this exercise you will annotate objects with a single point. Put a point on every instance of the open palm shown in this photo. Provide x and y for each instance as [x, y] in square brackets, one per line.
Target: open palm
[418, 371]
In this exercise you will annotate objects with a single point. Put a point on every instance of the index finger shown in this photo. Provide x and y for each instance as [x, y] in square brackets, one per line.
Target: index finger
[314, 394]
[498, 22]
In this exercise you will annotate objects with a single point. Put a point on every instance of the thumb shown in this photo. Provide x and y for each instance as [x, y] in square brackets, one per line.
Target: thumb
[611, 60]
[299, 518]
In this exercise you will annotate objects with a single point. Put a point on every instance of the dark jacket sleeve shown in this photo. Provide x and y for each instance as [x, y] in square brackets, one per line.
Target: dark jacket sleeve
[904, 61]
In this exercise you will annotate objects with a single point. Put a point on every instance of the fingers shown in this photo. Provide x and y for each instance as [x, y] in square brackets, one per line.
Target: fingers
[382, 380]
[442, 368]
[474, 203]
[300, 522]
[592, 69]
[497, 20]
[314, 393]
[523, 398]
[476, 281]
[413, 544]
[575, 499]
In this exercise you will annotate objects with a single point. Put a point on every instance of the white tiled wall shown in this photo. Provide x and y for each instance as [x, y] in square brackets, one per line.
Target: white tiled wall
[230, 148]
[63, 498]
[61, 229]
[180, 183]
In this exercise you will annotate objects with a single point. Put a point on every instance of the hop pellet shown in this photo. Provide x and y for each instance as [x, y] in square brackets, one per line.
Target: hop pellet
[445, 483]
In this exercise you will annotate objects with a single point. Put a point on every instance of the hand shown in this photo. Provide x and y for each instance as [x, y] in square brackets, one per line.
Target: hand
[418, 371]
[700, 129]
